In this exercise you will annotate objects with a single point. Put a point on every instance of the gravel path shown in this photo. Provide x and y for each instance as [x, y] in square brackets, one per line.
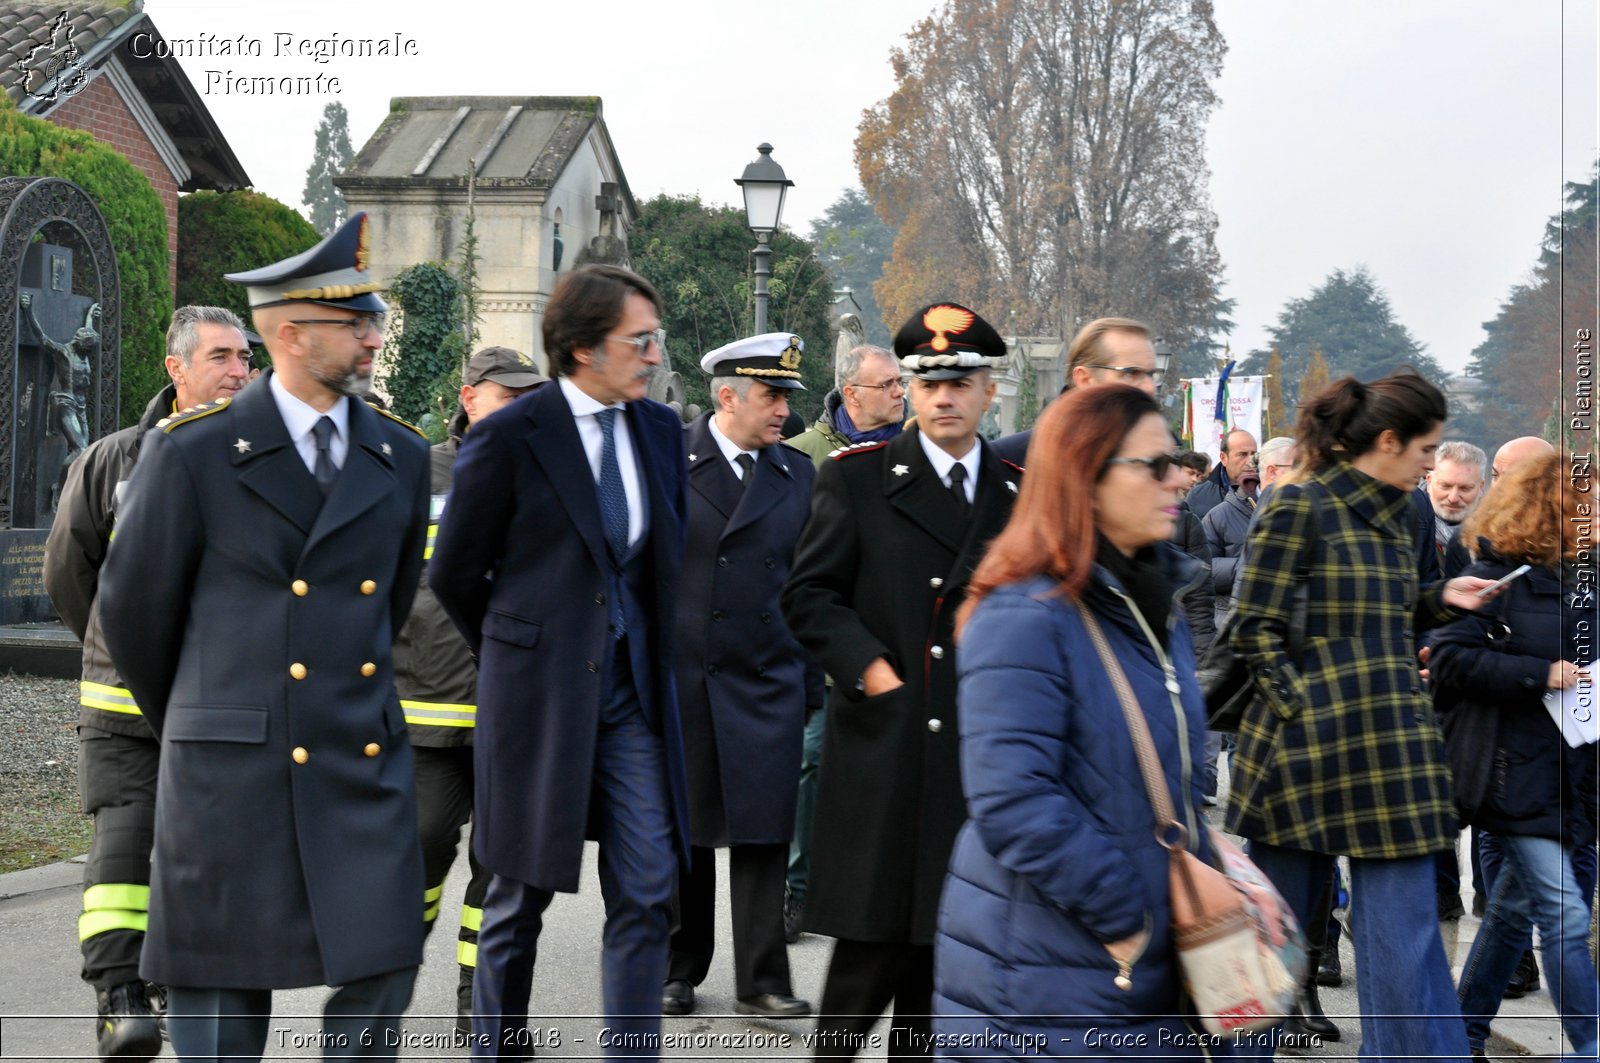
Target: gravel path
[39, 817]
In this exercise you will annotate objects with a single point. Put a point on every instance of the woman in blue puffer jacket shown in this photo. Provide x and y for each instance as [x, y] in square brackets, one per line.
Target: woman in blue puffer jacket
[1057, 884]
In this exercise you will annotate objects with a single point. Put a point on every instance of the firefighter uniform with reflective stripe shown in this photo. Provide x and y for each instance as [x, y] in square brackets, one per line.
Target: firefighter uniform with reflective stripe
[437, 681]
[118, 755]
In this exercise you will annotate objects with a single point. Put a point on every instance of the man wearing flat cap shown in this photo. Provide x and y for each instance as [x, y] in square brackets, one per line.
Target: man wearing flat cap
[279, 535]
[882, 566]
[743, 684]
[437, 680]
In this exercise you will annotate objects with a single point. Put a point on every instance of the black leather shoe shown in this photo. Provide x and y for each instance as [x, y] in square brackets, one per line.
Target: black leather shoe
[1329, 972]
[1450, 907]
[677, 997]
[1525, 979]
[774, 1006]
[125, 1028]
[793, 911]
[1480, 903]
[1311, 1019]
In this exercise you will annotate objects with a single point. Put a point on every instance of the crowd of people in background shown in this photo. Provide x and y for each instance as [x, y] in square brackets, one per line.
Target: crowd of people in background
[880, 662]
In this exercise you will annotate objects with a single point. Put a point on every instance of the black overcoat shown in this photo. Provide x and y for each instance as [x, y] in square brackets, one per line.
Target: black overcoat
[741, 674]
[521, 566]
[253, 620]
[880, 571]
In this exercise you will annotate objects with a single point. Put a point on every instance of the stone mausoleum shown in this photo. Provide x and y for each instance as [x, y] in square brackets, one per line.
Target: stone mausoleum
[546, 189]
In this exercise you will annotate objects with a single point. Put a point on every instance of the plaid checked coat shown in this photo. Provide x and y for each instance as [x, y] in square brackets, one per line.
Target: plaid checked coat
[1341, 754]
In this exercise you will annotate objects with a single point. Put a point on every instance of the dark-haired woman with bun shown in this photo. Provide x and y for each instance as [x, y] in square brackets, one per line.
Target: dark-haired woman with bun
[1340, 754]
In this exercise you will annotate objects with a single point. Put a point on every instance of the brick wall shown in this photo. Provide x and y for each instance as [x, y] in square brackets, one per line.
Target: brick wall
[101, 112]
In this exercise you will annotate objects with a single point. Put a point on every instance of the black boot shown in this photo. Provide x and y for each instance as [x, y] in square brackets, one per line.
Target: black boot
[464, 1001]
[1308, 1017]
[125, 1028]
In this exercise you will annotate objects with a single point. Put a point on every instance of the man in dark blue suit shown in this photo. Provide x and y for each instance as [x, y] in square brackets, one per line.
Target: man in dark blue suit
[558, 559]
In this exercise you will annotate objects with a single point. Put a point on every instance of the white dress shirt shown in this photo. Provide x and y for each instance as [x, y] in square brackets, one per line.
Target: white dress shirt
[943, 463]
[731, 450]
[300, 418]
[590, 433]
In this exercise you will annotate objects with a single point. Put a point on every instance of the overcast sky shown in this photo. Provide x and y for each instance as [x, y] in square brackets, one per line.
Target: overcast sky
[1425, 139]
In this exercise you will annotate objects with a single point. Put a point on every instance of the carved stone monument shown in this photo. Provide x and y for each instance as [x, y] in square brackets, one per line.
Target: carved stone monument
[58, 387]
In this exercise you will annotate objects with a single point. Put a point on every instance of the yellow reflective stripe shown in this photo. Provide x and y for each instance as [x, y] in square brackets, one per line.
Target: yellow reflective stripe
[471, 918]
[108, 698]
[466, 954]
[92, 923]
[439, 714]
[125, 895]
[430, 903]
[433, 533]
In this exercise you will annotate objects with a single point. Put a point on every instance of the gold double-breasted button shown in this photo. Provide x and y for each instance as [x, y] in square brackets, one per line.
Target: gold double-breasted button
[299, 755]
[369, 669]
[298, 670]
[369, 586]
[300, 587]
[372, 749]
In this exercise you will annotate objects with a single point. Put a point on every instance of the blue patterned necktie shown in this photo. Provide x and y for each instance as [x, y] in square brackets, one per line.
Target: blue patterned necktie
[324, 470]
[613, 499]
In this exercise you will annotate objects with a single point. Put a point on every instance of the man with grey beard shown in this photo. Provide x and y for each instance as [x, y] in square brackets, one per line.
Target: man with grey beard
[267, 553]
[1455, 487]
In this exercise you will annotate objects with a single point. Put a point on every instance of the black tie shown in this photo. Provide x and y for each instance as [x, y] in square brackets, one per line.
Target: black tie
[746, 462]
[958, 486]
[324, 470]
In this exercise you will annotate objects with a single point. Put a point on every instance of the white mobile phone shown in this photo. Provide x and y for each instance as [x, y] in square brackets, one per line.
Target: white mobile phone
[1516, 573]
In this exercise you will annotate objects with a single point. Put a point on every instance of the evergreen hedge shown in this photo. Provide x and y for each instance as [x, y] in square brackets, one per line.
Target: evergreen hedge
[136, 220]
[229, 232]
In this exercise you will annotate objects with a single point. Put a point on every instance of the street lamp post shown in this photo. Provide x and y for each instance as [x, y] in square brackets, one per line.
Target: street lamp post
[764, 187]
[1163, 363]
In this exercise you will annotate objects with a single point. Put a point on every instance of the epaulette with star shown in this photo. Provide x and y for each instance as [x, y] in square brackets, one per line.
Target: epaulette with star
[857, 448]
[191, 413]
[401, 421]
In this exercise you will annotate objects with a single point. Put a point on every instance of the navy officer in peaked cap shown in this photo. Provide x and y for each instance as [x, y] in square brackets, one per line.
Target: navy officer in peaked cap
[742, 678]
[268, 552]
[896, 530]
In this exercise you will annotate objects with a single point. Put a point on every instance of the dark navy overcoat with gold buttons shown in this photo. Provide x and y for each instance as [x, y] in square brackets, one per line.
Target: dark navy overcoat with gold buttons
[252, 620]
[880, 571]
[741, 675]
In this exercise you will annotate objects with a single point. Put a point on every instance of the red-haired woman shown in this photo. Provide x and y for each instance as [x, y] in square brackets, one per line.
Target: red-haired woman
[1533, 790]
[1057, 885]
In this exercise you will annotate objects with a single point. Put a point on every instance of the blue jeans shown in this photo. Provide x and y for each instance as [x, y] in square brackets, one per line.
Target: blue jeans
[1535, 884]
[1408, 1002]
[805, 808]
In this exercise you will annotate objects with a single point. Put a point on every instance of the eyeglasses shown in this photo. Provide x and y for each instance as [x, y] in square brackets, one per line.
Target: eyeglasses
[641, 342]
[1157, 466]
[888, 385]
[360, 326]
[1131, 374]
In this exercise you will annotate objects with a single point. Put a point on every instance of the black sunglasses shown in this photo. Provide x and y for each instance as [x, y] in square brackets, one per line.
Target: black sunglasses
[1158, 466]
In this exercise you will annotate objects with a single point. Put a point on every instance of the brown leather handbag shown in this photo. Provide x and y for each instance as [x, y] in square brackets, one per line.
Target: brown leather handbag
[1236, 977]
